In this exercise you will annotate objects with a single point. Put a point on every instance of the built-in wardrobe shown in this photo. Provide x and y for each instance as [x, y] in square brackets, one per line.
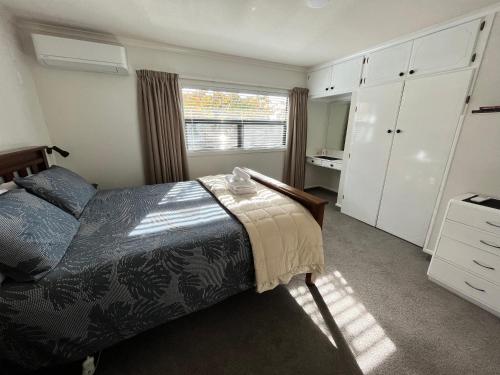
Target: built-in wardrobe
[408, 106]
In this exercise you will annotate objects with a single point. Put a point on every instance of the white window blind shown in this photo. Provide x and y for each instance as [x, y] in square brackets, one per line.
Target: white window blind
[220, 120]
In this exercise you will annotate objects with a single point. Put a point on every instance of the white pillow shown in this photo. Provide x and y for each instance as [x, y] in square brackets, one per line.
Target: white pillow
[6, 186]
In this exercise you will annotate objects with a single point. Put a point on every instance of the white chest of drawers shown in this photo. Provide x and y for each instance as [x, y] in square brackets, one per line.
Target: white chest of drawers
[467, 256]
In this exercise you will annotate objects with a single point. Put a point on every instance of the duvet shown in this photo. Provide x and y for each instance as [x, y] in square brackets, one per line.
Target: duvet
[142, 256]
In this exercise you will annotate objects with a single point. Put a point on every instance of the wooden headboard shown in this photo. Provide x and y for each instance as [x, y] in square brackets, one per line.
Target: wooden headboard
[22, 161]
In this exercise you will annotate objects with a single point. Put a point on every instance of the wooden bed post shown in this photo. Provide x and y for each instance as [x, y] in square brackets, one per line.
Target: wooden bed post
[315, 205]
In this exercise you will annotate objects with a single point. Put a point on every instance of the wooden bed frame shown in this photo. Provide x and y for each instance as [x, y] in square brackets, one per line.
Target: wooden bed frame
[23, 161]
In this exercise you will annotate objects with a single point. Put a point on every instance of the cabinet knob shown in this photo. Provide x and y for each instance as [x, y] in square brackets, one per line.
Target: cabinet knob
[332, 87]
[326, 89]
[399, 131]
[412, 71]
[389, 131]
[401, 74]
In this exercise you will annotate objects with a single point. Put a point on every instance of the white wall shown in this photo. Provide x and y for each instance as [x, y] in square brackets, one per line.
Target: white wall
[21, 118]
[94, 116]
[476, 164]
[268, 162]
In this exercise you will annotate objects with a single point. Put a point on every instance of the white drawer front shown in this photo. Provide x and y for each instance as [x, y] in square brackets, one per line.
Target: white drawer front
[480, 262]
[468, 284]
[472, 236]
[313, 160]
[477, 216]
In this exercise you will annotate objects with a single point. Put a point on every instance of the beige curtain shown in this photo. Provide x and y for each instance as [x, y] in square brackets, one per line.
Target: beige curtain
[295, 156]
[160, 101]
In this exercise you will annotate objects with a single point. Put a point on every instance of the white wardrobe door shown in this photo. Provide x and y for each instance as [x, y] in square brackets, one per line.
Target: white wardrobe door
[346, 75]
[318, 82]
[388, 65]
[445, 50]
[377, 110]
[430, 112]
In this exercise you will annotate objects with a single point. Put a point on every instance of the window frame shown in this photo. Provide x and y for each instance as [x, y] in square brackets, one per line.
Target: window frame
[188, 84]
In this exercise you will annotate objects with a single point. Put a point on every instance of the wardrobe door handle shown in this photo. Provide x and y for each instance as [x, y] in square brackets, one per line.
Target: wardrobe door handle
[389, 131]
[489, 244]
[399, 131]
[412, 71]
[482, 265]
[493, 224]
[473, 287]
[401, 74]
[326, 89]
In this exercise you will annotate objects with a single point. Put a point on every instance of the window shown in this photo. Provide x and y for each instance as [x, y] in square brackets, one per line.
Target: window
[220, 120]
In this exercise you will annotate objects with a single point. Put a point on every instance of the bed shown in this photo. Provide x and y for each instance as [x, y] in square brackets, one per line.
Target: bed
[141, 257]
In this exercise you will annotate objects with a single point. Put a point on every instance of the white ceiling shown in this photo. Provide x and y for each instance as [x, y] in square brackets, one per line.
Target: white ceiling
[285, 31]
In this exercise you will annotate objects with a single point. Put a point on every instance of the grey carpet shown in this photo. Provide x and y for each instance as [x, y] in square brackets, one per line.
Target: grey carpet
[395, 320]
[375, 298]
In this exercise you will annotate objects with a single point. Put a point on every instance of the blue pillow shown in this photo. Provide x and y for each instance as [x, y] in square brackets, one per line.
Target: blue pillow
[34, 235]
[61, 187]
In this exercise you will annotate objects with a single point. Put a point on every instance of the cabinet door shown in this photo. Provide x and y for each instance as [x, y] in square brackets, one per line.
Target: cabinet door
[371, 139]
[346, 76]
[445, 50]
[388, 64]
[319, 82]
[430, 112]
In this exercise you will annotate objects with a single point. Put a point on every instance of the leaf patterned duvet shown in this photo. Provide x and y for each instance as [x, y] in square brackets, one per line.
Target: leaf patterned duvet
[142, 256]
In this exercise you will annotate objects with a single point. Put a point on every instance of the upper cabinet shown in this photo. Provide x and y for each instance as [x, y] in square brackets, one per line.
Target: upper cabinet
[445, 50]
[388, 64]
[346, 76]
[337, 79]
[318, 81]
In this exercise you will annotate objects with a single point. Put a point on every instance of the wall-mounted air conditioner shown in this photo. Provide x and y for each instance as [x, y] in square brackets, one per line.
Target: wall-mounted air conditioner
[74, 54]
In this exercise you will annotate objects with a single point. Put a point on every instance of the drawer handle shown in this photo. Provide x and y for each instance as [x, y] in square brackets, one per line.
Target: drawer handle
[493, 224]
[473, 287]
[489, 244]
[482, 265]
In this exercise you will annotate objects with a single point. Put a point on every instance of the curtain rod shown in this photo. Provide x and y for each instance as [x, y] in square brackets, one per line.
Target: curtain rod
[237, 83]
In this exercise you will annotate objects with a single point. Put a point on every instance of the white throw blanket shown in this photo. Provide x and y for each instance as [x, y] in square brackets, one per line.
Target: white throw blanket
[285, 238]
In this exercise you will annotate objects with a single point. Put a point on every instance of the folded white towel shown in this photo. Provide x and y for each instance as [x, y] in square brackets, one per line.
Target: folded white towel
[234, 181]
[238, 186]
[242, 191]
[238, 172]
